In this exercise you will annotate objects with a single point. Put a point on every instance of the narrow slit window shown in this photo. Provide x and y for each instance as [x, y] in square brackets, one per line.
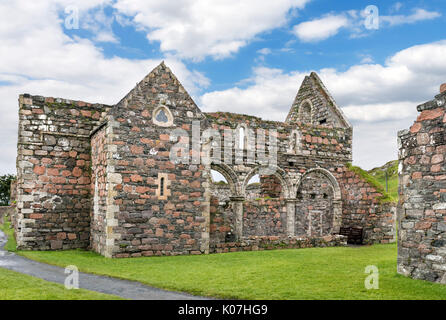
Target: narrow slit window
[163, 192]
[162, 186]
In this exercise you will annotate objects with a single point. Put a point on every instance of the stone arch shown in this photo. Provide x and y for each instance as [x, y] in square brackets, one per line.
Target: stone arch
[334, 212]
[279, 173]
[306, 111]
[230, 176]
[329, 175]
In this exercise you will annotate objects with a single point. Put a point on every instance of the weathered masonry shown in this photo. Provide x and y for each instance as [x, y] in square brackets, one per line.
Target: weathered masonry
[422, 189]
[100, 177]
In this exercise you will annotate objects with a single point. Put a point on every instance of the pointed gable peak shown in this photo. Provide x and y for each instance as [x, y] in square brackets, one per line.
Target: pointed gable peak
[159, 84]
[314, 105]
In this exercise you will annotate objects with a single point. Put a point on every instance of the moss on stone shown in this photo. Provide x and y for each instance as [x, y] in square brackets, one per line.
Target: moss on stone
[385, 197]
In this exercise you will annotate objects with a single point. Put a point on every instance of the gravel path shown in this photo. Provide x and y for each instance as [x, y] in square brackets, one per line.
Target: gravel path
[122, 288]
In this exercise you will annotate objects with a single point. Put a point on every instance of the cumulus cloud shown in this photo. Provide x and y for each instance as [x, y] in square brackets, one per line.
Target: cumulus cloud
[417, 15]
[39, 58]
[353, 21]
[378, 99]
[99, 23]
[268, 94]
[320, 29]
[195, 29]
[265, 51]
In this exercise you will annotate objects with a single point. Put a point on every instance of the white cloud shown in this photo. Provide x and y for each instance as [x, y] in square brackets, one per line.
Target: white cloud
[418, 15]
[381, 111]
[100, 24]
[396, 7]
[269, 94]
[38, 58]
[265, 51]
[379, 99]
[195, 29]
[353, 21]
[366, 58]
[320, 29]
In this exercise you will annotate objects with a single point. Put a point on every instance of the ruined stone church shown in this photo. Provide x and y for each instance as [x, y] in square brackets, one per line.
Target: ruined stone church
[100, 177]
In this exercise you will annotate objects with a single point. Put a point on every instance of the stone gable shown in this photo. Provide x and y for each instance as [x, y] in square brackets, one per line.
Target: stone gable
[107, 177]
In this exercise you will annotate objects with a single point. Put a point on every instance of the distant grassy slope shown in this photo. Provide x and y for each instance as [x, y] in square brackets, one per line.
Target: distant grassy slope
[371, 180]
[392, 177]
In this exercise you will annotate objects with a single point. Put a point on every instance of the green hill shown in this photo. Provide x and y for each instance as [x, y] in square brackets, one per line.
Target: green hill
[379, 174]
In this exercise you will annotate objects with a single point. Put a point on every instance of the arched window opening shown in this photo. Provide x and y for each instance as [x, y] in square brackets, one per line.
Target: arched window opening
[295, 142]
[253, 188]
[305, 113]
[218, 178]
[241, 136]
[255, 179]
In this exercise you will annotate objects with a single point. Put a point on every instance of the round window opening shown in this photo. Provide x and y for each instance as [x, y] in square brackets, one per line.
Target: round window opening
[162, 117]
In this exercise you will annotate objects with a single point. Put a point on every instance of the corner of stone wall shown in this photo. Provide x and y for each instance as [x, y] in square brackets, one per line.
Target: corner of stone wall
[24, 181]
[114, 179]
[205, 208]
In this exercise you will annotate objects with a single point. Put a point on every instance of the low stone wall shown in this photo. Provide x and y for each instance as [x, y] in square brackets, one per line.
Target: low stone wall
[6, 211]
[273, 243]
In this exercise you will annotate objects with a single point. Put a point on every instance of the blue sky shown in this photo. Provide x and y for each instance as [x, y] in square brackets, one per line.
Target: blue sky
[239, 56]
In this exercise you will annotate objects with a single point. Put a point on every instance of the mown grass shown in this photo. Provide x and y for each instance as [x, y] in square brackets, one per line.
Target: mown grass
[17, 286]
[314, 273]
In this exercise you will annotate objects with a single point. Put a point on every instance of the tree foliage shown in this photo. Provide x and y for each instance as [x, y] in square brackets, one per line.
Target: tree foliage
[5, 188]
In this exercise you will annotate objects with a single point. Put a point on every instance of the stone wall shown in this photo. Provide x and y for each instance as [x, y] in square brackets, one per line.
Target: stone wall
[256, 243]
[264, 217]
[104, 177]
[154, 220]
[13, 192]
[363, 206]
[222, 221]
[99, 192]
[6, 211]
[53, 172]
[314, 208]
[13, 200]
[422, 189]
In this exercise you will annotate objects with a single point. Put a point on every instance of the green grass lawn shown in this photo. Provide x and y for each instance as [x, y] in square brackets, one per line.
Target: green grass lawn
[315, 273]
[17, 286]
